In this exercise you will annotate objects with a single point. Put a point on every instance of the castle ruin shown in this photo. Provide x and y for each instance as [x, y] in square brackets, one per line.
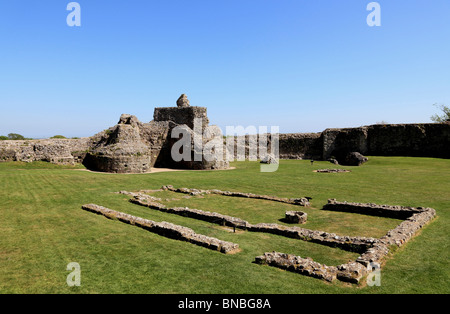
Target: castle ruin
[132, 146]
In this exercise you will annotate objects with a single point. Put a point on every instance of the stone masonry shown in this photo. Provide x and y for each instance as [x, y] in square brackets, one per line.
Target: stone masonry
[373, 251]
[166, 229]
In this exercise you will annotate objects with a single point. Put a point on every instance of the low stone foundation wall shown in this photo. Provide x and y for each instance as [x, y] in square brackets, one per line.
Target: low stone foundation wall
[331, 170]
[166, 229]
[302, 201]
[408, 228]
[353, 244]
[212, 217]
[373, 251]
[348, 243]
[389, 211]
[304, 266]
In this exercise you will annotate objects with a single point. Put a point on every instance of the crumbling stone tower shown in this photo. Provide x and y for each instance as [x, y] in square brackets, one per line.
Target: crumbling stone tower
[135, 147]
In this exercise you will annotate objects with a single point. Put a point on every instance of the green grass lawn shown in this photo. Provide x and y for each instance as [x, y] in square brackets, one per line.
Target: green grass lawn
[43, 228]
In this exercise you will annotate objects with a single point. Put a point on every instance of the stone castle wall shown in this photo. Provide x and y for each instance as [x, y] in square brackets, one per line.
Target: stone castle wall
[417, 140]
[58, 151]
[135, 147]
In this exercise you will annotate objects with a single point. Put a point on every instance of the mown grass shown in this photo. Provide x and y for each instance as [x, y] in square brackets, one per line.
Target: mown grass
[43, 228]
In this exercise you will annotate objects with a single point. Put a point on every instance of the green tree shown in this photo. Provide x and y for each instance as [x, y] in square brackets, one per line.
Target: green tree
[3, 138]
[15, 136]
[445, 116]
[58, 136]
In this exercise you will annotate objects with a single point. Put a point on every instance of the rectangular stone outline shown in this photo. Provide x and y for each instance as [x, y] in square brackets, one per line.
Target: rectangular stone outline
[166, 229]
[353, 272]
[348, 243]
[373, 250]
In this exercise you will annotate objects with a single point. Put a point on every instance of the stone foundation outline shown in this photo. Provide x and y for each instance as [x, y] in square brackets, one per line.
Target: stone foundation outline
[166, 229]
[373, 251]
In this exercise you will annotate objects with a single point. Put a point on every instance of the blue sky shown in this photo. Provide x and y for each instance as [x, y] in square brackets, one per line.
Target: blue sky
[301, 65]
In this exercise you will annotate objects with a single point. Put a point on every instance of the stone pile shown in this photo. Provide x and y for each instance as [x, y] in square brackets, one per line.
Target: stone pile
[183, 101]
[296, 217]
[352, 159]
[166, 229]
[269, 159]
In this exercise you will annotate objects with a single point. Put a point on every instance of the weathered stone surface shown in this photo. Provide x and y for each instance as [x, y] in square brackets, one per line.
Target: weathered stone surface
[269, 159]
[296, 217]
[120, 149]
[59, 151]
[337, 143]
[129, 119]
[375, 254]
[182, 115]
[416, 139]
[301, 146]
[352, 159]
[166, 229]
[182, 101]
[304, 266]
[408, 228]
[351, 272]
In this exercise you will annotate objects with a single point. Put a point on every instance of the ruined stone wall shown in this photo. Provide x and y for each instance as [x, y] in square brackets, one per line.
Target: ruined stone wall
[291, 146]
[134, 147]
[301, 146]
[129, 147]
[421, 140]
[60, 151]
[181, 115]
[338, 142]
[184, 117]
[417, 140]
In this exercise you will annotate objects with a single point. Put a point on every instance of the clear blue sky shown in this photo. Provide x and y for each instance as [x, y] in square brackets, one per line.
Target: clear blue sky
[301, 65]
